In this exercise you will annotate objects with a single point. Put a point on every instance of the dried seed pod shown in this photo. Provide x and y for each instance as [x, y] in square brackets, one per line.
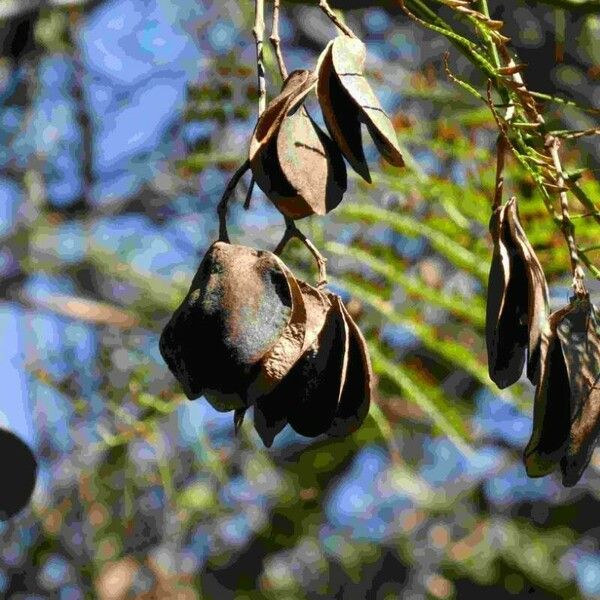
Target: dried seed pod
[356, 392]
[19, 472]
[517, 301]
[552, 407]
[298, 167]
[579, 335]
[271, 410]
[295, 88]
[277, 362]
[347, 100]
[238, 307]
[308, 397]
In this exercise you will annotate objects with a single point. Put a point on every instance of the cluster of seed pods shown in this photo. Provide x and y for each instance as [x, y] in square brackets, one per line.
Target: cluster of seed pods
[297, 165]
[561, 351]
[268, 340]
[249, 333]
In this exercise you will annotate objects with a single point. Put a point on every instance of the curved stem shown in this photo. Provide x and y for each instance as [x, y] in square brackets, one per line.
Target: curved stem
[224, 202]
[324, 6]
[291, 231]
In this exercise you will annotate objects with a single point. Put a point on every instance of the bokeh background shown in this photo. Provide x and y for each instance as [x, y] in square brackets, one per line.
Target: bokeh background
[120, 123]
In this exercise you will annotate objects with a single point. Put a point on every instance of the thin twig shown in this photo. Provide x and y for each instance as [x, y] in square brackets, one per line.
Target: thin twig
[276, 41]
[324, 6]
[501, 146]
[291, 231]
[567, 225]
[259, 34]
[224, 202]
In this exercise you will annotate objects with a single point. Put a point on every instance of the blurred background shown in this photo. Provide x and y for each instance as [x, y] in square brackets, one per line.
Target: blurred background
[120, 124]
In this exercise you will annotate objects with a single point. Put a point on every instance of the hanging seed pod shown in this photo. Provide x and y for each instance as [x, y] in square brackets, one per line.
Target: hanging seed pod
[552, 407]
[295, 88]
[579, 335]
[239, 306]
[308, 397]
[347, 100]
[517, 301]
[277, 362]
[271, 411]
[356, 392]
[295, 163]
[18, 472]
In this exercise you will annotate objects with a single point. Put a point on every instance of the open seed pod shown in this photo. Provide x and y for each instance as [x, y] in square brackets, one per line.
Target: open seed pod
[295, 164]
[242, 321]
[579, 335]
[18, 472]
[347, 100]
[355, 400]
[329, 388]
[517, 301]
[271, 411]
[552, 407]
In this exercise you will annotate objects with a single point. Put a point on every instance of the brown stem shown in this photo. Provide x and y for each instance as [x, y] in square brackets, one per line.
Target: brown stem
[259, 34]
[501, 147]
[324, 6]
[291, 231]
[224, 202]
[276, 41]
[553, 145]
[249, 194]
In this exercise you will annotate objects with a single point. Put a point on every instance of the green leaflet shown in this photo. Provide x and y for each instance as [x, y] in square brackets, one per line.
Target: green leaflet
[410, 226]
[453, 352]
[427, 397]
[473, 310]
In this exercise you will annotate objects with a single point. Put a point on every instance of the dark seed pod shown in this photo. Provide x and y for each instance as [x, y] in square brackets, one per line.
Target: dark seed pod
[517, 301]
[18, 471]
[271, 411]
[356, 391]
[319, 376]
[552, 407]
[238, 307]
[295, 164]
[277, 362]
[347, 100]
[579, 335]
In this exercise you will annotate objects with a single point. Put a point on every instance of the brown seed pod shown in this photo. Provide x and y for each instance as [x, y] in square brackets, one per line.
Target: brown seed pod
[271, 410]
[295, 88]
[579, 335]
[238, 307]
[517, 301]
[347, 100]
[552, 407]
[308, 397]
[300, 170]
[18, 473]
[277, 362]
[356, 392]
